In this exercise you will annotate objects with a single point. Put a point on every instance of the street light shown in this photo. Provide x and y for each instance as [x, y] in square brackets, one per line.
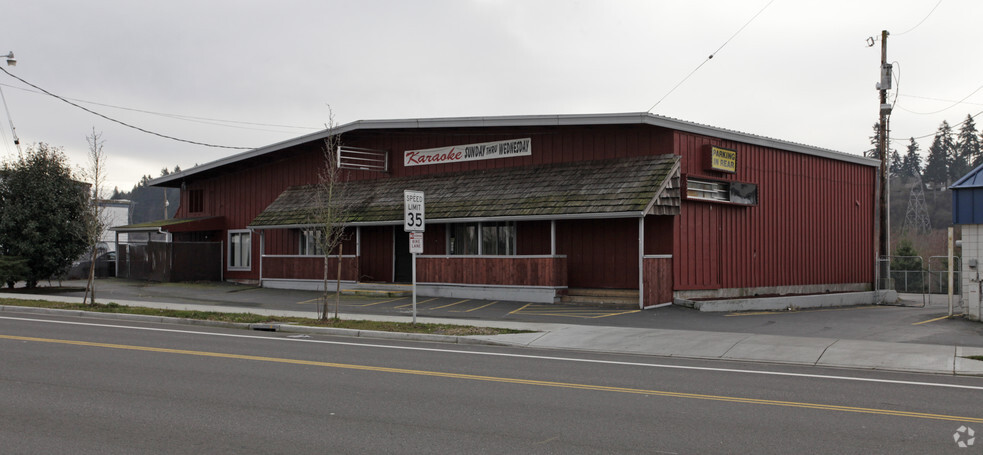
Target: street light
[11, 61]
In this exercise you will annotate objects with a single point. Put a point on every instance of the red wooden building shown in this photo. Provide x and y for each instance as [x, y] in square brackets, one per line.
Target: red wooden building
[528, 207]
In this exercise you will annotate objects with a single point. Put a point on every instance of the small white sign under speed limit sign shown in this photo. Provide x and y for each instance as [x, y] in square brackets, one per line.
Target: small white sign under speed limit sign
[413, 218]
[416, 242]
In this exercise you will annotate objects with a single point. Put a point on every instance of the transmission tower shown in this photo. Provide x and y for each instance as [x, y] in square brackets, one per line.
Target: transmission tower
[916, 217]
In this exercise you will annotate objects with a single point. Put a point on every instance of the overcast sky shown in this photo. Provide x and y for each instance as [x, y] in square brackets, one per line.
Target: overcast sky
[801, 71]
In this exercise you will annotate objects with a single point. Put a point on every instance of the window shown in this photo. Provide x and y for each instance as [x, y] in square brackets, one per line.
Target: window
[702, 189]
[239, 250]
[733, 192]
[463, 239]
[310, 242]
[196, 201]
[498, 239]
[494, 239]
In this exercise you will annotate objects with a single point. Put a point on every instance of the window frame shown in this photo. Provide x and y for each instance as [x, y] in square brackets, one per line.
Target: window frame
[510, 227]
[308, 244]
[717, 191]
[230, 257]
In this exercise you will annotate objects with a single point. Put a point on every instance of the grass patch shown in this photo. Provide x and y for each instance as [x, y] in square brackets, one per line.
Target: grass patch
[249, 318]
[975, 357]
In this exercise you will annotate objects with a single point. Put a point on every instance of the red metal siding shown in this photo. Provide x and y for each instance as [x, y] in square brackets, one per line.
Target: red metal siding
[600, 253]
[532, 237]
[434, 239]
[813, 223]
[377, 254]
[659, 234]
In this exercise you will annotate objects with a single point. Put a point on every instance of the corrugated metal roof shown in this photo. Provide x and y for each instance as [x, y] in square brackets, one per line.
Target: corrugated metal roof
[525, 120]
[596, 188]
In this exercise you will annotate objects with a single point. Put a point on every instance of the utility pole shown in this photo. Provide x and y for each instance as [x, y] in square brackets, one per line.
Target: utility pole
[884, 239]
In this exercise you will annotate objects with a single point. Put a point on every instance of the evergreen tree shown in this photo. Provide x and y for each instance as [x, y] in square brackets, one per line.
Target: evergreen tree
[958, 166]
[873, 152]
[937, 165]
[968, 143]
[911, 164]
[895, 168]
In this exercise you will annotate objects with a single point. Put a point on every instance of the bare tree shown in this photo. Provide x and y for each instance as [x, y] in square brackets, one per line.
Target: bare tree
[95, 220]
[330, 213]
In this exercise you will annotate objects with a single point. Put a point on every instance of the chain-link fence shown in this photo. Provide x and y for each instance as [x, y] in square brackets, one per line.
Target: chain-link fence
[913, 275]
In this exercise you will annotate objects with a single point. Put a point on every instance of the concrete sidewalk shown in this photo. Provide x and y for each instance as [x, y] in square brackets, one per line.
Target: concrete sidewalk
[923, 358]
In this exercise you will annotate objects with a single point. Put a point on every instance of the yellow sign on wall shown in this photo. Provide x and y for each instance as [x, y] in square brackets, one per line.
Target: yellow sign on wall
[723, 160]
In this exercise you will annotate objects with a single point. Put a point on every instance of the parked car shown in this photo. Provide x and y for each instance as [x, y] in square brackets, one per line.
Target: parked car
[105, 266]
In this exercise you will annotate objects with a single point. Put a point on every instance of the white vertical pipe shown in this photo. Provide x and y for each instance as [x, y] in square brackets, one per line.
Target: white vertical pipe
[641, 263]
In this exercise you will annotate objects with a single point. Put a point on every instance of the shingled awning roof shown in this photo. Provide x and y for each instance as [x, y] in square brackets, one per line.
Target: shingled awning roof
[587, 189]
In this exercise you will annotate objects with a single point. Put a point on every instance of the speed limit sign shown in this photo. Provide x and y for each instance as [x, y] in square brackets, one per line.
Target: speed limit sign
[413, 217]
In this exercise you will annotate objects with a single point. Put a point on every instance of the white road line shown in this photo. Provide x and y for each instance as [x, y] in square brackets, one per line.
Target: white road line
[521, 356]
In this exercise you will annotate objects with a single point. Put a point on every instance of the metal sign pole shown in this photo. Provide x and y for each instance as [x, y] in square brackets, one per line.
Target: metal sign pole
[414, 223]
[414, 288]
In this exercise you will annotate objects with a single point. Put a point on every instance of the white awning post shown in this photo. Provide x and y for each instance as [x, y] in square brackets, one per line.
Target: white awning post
[641, 263]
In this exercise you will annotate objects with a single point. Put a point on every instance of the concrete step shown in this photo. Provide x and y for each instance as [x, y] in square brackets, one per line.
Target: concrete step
[377, 292]
[603, 298]
[603, 292]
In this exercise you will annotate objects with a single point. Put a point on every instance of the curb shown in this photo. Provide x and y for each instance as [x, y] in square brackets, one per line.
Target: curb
[266, 327]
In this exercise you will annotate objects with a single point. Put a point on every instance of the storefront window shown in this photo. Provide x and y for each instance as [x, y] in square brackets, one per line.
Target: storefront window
[463, 239]
[239, 250]
[310, 242]
[495, 239]
[498, 239]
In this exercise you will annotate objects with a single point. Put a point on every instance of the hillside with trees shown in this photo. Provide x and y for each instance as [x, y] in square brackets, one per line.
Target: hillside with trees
[921, 203]
[149, 201]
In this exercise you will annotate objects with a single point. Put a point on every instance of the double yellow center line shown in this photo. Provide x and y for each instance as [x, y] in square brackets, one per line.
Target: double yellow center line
[531, 382]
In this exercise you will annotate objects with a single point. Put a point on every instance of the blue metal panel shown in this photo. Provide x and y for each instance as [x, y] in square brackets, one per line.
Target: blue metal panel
[967, 206]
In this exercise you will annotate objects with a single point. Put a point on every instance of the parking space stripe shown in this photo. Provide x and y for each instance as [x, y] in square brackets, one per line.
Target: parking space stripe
[478, 308]
[450, 304]
[411, 303]
[519, 309]
[384, 301]
[936, 319]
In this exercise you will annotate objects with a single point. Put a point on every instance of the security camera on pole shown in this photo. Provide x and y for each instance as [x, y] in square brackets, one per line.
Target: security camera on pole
[414, 222]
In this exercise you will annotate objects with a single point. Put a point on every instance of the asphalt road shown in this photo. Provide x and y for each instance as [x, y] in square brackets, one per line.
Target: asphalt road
[906, 324]
[76, 385]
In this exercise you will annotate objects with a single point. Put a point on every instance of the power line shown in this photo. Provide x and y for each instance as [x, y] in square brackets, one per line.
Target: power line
[174, 116]
[939, 99]
[122, 122]
[711, 55]
[956, 125]
[950, 106]
[921, 21]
